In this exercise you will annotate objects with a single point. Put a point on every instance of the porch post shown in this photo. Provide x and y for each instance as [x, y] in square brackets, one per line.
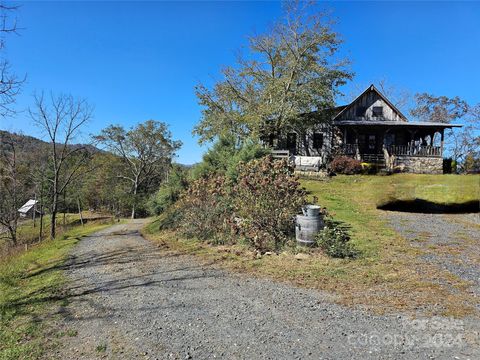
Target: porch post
[412, 141]
[441, 142]
[357, 151]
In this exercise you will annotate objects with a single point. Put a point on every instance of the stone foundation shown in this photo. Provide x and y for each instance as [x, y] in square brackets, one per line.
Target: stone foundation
[419, 164]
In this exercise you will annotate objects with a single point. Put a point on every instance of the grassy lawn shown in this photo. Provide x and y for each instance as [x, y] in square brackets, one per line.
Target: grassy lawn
[388, 276]
[30, 289]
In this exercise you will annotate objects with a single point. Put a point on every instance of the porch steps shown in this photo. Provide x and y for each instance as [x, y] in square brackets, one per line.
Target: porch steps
[376, 159]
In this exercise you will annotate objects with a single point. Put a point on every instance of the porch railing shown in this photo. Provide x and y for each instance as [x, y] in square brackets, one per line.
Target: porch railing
[412, 150]
[408, 150]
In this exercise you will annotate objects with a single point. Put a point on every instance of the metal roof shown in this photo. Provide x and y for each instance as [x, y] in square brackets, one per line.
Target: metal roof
[395, 123]
[27, 206]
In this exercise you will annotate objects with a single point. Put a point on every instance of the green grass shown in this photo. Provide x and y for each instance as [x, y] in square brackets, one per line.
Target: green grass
[30, 287]
[101, 348]
[354, 199]
[389, 274]
[28, 232]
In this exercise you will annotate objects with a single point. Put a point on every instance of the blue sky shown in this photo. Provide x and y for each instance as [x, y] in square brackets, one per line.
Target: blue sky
[136, 61]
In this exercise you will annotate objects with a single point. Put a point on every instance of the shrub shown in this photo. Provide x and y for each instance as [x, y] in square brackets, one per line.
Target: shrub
[225, 155]
[471, 164]
[206, 209]
[345, 165]
[168, 219]
[335, 241]
[267, 196]
[169, 192]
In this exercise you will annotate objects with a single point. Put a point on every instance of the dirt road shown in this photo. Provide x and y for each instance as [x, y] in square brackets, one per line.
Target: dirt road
[129, 300]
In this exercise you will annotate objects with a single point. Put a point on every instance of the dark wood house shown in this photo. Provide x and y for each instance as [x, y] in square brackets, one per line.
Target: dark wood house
[373, 130]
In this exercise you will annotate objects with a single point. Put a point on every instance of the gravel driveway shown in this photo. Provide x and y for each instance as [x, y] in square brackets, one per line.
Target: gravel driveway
[129, 300]
[451, 242]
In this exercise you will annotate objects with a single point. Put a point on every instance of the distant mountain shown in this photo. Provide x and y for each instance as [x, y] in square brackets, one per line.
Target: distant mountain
[23, 143]
[185, 166]
[31, 145]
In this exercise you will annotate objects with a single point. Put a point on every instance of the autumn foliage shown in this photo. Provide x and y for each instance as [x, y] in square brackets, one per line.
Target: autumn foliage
[267, 197]
[206, 209]
[257, 207]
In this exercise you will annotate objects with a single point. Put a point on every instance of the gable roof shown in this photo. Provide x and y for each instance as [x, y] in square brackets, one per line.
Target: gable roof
[27, 206]
[372, 88]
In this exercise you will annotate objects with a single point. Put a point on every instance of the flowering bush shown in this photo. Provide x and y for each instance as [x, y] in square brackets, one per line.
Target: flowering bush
[266, 199]
[206, 209]
[345, 165]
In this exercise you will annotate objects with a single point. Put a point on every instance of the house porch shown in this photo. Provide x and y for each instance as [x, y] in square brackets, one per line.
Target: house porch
[412, 147]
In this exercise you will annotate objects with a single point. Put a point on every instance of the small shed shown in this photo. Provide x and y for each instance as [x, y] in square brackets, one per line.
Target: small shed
[28, 208]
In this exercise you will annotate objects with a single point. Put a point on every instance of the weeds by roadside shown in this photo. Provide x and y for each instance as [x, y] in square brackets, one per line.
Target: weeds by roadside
[30, 288]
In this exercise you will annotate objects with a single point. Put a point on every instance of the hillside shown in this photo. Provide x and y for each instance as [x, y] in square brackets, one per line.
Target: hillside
[31, 145]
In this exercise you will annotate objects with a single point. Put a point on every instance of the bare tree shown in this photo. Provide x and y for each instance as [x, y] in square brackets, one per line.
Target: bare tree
[61, 118]
[10, 84]
[465, 142]
[448, 110]
[441, 109]
[146, 150]
[9, 190]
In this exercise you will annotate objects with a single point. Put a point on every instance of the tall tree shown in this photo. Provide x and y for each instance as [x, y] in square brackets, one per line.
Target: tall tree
[443, 109]
[102, 189]
[146, 150]
[465, 142]
[288, 71]
[438, 108]
[10, 194]
[61, 118]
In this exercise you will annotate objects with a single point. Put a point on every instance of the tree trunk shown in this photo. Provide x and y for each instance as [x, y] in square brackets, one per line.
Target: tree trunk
[41, 224]
[13, 234]
[133, 212]
[54, 216]
[64, 209]
[80, 211]
[34, 210]
[134, 198]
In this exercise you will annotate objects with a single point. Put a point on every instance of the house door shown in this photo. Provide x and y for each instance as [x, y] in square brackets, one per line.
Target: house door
[292, 143]
[372, 144]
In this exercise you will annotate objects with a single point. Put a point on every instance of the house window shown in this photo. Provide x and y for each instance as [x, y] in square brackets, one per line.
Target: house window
[361, 111]
[377, 111]
[317, 140]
